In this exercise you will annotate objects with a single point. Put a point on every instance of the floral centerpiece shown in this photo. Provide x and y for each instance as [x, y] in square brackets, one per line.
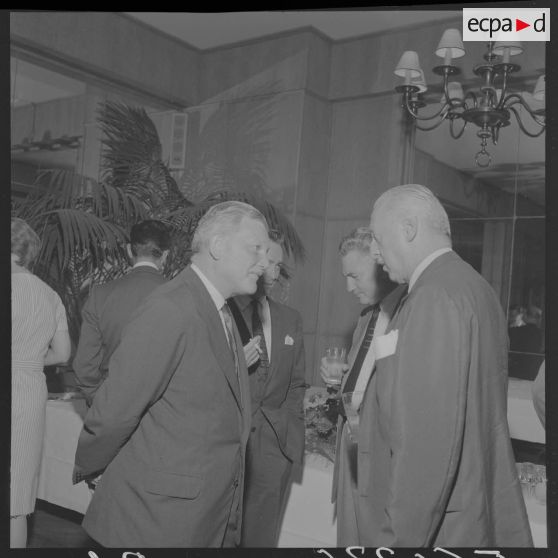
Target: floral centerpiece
[321, 412]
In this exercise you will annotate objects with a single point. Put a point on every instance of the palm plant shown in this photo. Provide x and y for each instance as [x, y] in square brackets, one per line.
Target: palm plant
[84, 223]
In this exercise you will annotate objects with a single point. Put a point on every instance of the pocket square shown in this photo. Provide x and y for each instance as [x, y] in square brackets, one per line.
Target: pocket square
[385, 345]
[289, 340]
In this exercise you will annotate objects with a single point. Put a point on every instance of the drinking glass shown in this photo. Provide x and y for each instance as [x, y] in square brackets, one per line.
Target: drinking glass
[336, 358]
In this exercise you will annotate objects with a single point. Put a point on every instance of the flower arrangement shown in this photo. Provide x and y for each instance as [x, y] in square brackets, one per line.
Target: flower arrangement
[321, 412]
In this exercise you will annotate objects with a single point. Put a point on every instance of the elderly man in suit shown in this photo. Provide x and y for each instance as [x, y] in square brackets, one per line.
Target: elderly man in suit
[273, 344]
[109, 306]
[438, 457]
[169, 425]
[368, 282]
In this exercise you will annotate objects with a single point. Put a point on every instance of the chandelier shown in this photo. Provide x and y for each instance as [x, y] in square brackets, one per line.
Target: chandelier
[489, 108]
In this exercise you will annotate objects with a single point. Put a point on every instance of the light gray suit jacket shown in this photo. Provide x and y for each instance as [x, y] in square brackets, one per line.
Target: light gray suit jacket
[169, 425]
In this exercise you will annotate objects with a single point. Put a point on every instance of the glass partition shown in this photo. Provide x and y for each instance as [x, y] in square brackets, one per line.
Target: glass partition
[497, 217]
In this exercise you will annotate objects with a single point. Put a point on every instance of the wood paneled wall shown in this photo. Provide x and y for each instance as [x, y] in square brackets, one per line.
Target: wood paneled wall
[314, 124]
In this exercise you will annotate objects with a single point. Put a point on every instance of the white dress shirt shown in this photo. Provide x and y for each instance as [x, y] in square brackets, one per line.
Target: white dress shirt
[150, 264]
[265, 316]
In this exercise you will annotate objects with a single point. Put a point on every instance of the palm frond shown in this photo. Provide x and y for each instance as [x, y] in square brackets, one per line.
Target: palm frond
[71, 232]
[132, 152]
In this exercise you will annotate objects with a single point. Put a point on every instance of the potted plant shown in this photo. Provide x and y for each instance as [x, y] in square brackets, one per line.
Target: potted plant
[84, 223]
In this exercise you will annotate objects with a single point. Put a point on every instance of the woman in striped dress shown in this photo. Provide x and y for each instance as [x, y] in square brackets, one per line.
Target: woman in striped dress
[39, 338]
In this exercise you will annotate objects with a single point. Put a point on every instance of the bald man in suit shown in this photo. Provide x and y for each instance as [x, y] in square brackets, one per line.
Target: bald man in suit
[438, 455]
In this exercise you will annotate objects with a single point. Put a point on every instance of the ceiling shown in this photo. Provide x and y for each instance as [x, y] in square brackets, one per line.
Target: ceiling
[209, 30]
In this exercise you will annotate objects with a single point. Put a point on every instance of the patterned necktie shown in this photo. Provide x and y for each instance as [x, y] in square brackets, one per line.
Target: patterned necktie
[228, 319]
[257, 329]
[363, 349]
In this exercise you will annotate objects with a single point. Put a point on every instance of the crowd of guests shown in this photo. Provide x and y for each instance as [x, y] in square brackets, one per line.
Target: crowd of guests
[195, 389]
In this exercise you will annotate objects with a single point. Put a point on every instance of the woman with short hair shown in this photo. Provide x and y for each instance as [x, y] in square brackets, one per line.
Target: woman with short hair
[39, 338]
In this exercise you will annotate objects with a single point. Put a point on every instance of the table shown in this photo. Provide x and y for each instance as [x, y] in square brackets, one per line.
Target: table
[64, 420]
[308, 520]
[522, 419]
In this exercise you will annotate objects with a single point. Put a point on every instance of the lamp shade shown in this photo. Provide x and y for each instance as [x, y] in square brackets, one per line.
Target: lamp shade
[420, 82]
[539, 91]
[455, 90]
[501, 46]
[408, 66]
[450, 45]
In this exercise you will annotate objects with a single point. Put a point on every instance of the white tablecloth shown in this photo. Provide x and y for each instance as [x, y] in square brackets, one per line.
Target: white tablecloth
[64, 420]
[522, 419]
[309, 514]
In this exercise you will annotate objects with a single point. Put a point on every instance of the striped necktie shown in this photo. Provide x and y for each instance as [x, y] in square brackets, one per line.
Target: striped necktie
[363, 349]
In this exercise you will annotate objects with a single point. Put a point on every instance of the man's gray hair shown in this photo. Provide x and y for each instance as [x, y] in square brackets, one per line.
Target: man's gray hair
[358, 239]
[415, 198]
[223, 219]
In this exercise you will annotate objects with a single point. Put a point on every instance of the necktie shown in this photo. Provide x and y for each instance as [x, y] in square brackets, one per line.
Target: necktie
[257, 329]
[363, 349]
[227, 317]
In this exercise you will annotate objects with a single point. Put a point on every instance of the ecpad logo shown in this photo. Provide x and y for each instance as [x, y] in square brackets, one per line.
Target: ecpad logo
[525, 24]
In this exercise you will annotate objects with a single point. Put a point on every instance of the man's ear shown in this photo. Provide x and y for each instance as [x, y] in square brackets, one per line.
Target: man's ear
[410, 228]
[216, 247]
[129, 252]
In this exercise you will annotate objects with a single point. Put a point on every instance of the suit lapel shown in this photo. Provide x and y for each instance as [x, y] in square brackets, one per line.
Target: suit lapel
[217, 338]
[277, 338]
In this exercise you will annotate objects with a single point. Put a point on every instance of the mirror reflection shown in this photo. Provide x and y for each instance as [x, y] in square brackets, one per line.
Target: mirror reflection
[497, 216]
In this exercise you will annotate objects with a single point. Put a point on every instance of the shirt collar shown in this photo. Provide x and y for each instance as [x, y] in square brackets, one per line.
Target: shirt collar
[243, 301]
[216, 296]
[145, 263]
[424, 264]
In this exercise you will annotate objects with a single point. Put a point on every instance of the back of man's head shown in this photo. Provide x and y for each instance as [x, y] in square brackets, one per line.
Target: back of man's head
[415, 200]
[149, 239]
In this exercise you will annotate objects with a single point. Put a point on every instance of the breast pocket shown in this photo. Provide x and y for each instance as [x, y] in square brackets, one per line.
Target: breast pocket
[173, 484]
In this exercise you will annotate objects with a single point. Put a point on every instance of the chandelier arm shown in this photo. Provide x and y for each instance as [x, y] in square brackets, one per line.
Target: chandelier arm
[460, 133]
[417, 117]
[428, 128]
[503, 93]
[515, 98]
[473, 97]
[523, 129]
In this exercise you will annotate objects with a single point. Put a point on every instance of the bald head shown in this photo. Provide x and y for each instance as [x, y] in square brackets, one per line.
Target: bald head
[409, 223]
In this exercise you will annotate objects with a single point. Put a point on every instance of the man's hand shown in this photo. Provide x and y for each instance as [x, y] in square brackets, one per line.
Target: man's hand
[252, 351]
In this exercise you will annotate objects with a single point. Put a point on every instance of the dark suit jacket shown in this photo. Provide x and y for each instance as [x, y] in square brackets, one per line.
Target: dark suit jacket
[436, 462]
[107, 310]
[281, 402]
[170, 426]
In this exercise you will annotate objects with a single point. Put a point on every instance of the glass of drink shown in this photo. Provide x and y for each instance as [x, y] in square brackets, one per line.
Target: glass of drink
[334, 363]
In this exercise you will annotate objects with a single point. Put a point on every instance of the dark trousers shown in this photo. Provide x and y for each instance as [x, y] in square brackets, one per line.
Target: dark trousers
[268, 473]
